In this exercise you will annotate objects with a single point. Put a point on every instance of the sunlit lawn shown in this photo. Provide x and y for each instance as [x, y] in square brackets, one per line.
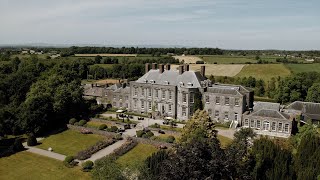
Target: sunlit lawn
[26, 165]
[136, 156]
[69, 142]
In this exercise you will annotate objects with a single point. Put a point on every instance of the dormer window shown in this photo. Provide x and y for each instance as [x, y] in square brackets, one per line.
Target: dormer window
[166, 82]
[181, 83]
[190, 84]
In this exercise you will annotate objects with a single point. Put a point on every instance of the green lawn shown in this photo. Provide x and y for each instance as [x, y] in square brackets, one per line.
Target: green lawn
[26, 165]
[136, 156]
[264, 71]
[224, 141]
[69, 142]
[298, 68]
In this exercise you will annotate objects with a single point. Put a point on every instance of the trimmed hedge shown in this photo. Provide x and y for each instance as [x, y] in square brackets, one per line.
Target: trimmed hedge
[139, 133]
[127, 146]
[85, 154]
[87, 166]
[170, 139]
[113, 129]
[103, 127]
[72, 121]
[31, 141]
[82, 122]
[70, 162]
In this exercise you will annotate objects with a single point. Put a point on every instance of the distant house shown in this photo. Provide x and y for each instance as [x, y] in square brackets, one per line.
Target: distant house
[306, 111]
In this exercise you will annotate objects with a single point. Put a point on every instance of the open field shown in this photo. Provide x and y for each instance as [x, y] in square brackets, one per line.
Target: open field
[264, 71]
[217, 69]
[228, 59]
[298, 68]
[107, 55]
[188, 59]
[69, 142]
[26, 165]
[136, 156]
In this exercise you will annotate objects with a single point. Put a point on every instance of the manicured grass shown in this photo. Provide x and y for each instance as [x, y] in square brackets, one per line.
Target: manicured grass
[136, 156]
[69, 142]
[264, 71]
[26, 165]
[298, 68]
[224, 141]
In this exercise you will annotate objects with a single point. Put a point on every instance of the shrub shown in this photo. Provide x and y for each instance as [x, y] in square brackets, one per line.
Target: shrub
[144, 135]
[103, 127]
[156, 125]
[85, 154]
[76, 124]
[127, 146]
[139, 133]
[118, 137]
[82, 122]
[113, 129]
[170, 139]
[72, 121]
[17, 145]
[31, 141]
[87, 166]
[69, 162]
[149, 134]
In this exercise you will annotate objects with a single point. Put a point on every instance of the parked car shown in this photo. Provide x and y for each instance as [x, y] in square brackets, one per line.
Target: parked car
[161, 132]
[126, 126]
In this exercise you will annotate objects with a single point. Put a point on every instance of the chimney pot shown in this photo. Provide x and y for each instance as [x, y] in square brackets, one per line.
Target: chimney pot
[161, 68]
[147, 67]
[203, 71]
[180, 69]
[154, 65]
[186, 67]
[168, 66]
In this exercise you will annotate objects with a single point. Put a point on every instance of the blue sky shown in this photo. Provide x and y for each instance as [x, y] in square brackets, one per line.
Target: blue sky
[228, 24]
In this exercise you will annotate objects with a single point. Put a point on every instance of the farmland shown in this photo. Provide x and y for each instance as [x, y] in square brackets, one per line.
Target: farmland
[106, 55]
[264, 71]
[188, 59]
[298, 68]
[217, 69]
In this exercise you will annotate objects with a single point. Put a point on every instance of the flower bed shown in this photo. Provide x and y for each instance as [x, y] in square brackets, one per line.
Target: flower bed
[85, 154]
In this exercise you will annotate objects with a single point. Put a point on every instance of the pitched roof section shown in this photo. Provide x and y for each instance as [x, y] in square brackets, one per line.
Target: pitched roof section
[266, 105]
[311, 110]
[224, 90]
[271, 113]
[190, 79]
[88, 90]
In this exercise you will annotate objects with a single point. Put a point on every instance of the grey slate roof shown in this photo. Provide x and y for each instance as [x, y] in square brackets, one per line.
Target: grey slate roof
[266, 105]
[172, 77]
[270, 113]
[309, 109]
[224, 90]
[119, 88]
[88, 90]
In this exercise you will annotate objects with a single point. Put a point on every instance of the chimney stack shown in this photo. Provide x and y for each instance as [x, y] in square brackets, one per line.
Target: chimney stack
[180, 69]
[186, 67]
[168, 66]
[161, 68]
[203, 71]
[154, 65]
[147, 67]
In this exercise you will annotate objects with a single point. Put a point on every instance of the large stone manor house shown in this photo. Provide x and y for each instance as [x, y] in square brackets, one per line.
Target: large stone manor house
[166, 92]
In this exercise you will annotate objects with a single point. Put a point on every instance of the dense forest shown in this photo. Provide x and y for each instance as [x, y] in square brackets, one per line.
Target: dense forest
[199, 155]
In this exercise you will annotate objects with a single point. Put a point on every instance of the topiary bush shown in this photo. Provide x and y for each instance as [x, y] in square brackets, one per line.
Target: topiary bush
[82, 122]
[149, 134]
[113, 129]
[87, 166]
[139, 133]
[31, 141]
[69, 162]
[170, 139]
[103, 127]
[72, 121]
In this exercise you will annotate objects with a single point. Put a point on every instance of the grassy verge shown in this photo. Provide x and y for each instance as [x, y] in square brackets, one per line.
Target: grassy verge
[25, 165]
[224, 141]
[136, 156]
[69, 142]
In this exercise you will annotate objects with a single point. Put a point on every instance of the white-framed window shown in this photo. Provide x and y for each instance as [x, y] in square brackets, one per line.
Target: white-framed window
[135, 102]
[142, 92]
[127, 105]
[280, 127]
[226, 101]
[217, 100]
[114, 96]
[237, 102]
[258, 124]
[266, 125]
[252, 124]
[246, 122]
[191, 98]
[156, 93]
[163, 94]
[216, 113]
[184, 97]
[170, 95]
[136, 91]
[273, 126]
[209, 112]
[170, 107]
[184, 111]
[207, 99]
[155, 105]
[120, 97]
[120, 104]
[286, 128]
[226, 115]
[149, 105]
[236, 117]
[149, 92]
[142, 104]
